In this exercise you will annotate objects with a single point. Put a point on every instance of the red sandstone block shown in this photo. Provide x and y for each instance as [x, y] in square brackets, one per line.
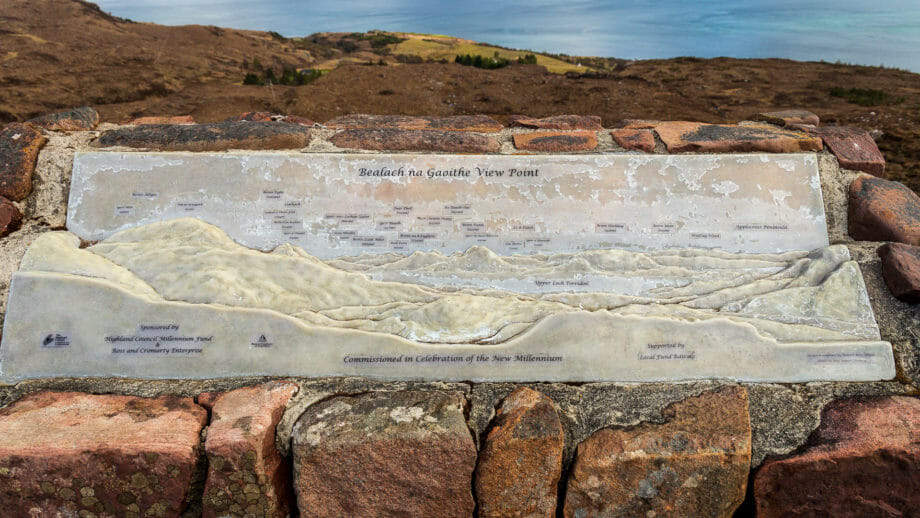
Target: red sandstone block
[10, 217]
[208, 137]
[476, 123]
[901, 268]
[414, 140]
[19, 147]
[681, 137]
[385, 454]
[559, 122]
[881, 210]
[552, 141]
[853, 147]
[864, 460]
[788, 117]
[634, 139]
[637, 124]
[246, 475]
[696, 463]
[78, 119]
[520, 462]
[297, 119]
[178, 119]
[69, 454]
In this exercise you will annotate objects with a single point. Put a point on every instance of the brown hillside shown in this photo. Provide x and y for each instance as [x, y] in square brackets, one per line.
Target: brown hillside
[61, 53]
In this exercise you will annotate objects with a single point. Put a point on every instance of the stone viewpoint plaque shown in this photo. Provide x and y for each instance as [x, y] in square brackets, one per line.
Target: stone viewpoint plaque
[333, 205]
[518, 268]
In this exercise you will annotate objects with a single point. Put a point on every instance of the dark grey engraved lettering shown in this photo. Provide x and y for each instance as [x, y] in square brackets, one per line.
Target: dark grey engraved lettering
[668, 351]
[609, 228]
[457, 210]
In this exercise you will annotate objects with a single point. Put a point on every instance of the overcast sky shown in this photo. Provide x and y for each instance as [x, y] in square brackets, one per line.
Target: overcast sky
[854, 31]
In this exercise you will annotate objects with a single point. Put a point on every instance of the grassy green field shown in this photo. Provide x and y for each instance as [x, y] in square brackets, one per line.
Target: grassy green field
[435, 47]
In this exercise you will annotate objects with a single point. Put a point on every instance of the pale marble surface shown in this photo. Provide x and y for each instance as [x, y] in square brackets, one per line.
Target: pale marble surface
[752, 203]
[181, 299]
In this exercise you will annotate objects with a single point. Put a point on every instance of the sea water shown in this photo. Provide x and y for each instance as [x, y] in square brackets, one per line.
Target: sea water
[850, 31]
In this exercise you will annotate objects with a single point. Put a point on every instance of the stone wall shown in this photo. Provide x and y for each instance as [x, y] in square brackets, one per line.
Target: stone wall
[359, 447]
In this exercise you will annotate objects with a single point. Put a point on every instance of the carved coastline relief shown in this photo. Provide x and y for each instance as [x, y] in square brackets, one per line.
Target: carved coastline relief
[181, 299]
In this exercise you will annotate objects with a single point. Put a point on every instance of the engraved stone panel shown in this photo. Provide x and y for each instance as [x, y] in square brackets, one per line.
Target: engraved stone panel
[181, 299]
[334, 205]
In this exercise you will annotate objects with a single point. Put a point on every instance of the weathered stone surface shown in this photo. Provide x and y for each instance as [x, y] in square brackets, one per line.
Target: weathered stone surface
[10, 217]
[78, 119]
[881, 210]
[208, 137]
[521, 459]
[694, 464]
[385, 454]
[271, 117]
[477, 123]
[682, 137]
[757, 204]
[864, 460]
[634, 139]
[787, 117]
[853, 147]
[19, 147]
[246, 474]
[559, 122]
[901, 267]
[414, 140]
[69, 454]
[178, 119]
[551, 141]
[47, 204]
[637, 124]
